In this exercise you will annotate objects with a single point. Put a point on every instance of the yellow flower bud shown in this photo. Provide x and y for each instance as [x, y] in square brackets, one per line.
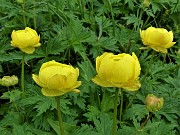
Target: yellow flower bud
[120, 71]
[159, 39]
[9, 81]
[57, 79]
[153, 103]
[26, 40]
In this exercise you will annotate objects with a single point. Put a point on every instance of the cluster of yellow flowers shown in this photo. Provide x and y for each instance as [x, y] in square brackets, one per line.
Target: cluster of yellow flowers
[121, 71]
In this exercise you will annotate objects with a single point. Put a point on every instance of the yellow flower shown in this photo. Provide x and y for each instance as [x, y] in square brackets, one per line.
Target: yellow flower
[159, 39]
[9, 81]
[26, 40]
[120, 71]
[153, 103]
[57, 79]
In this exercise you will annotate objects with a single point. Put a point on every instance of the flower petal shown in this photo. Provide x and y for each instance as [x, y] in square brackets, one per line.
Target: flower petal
[137, 67]
[132, 86]
[77, 84]
[75, 91]
[100, 58]
[51, 63]
[28, 50]
[46, 73]
[159, 49]
[101, 82]
[51, 92]
[57, 82]
[36, 79]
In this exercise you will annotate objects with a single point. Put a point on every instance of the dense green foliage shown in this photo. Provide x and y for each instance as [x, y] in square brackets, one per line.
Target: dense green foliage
[76, 32]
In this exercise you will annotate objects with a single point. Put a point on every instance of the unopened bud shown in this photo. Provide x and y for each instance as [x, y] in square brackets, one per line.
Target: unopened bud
[146, 3]
[9, 81]
[20, 1]
[153, 103]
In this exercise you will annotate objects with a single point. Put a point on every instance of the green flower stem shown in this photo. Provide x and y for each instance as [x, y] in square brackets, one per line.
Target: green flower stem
[22, 75]
[114, 128]
[59, 115]
[142, 80]
[98, 99]
[121, 107]
[112, 15]
[23, 9]
[80, 3]
[145, 122]
[35, 24]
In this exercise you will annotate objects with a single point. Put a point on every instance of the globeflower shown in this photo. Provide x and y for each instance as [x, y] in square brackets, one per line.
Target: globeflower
[153, 103]
[57, 79]
[159, 39]
[9, 81]
[119, 71]
[26, 40]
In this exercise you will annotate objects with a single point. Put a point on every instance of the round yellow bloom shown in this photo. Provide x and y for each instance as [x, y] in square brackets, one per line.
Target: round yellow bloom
[26, 40]
[57, 79]
[120, 71]
[9, 81]
[159, 39]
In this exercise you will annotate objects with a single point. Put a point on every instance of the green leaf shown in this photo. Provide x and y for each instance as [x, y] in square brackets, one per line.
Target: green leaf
[136, 111]
[68, 128]
[130, 4]
[104, 124]
[133, 19]
[93, 111]
[12, 95]
[107, 102]
[44, 104]
[85, 129]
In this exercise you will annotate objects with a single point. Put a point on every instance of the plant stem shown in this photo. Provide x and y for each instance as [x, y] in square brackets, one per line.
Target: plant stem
[142, 80]
[80, 3]
[145, 122]
[22, 75]
[121, 107]
[24, 17]
[112, 15]
[98, 99]
[59, 115]
[35, 24]
[114, 128]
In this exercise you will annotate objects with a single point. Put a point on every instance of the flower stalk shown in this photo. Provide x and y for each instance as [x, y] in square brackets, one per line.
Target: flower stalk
[145, 122]
[121, 107]
[22, 75]
[34, 19]
[114, 128]
[24, 17]
[59, 115]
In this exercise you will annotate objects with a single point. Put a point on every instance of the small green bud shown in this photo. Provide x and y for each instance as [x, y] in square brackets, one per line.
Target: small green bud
[20, 1]
[153, 103]
[9, 81]
[146, 3]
